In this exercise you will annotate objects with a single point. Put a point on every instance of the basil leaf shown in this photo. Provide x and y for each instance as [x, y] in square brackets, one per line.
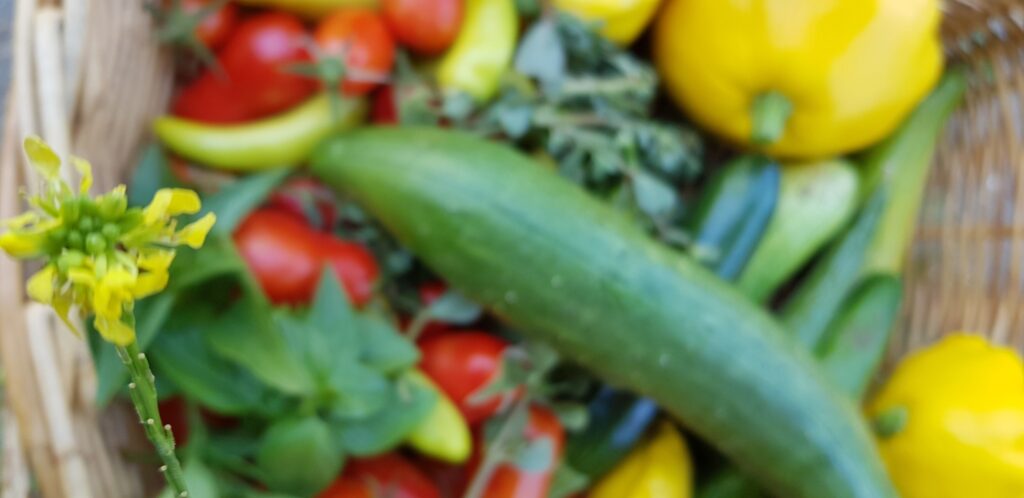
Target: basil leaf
[246, 334]
[407, 406]
[384, 348]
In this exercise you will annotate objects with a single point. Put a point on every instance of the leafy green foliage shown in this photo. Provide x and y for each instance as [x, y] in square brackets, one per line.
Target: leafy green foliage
[299, 456]
[585, 104]
[407, 405]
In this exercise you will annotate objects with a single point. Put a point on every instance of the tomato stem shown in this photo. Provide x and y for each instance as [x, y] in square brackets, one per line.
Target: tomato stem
[495, 455]
[142, 391]
[771, 113]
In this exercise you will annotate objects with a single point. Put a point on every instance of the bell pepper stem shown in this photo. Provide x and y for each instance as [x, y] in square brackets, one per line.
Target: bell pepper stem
[771, 113]
[891, 422]
[142, 391]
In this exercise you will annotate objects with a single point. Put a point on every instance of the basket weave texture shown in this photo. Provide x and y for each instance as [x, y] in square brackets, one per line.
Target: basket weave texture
[88, 78]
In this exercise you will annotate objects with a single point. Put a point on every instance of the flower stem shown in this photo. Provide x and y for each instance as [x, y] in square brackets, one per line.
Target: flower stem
[142, 390]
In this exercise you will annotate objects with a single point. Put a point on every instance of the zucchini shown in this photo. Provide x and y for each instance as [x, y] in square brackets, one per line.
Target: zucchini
[815, 202]
[858, 337]
[618, 421]
[902, 163]
[733, 214]
[566, 269]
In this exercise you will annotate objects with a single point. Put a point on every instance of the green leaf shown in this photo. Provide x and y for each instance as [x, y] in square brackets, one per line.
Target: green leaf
[567, 481]
[408, 405]
[536, 456]
[384, 348]
[247, 335]
[653, 196]
[574, 416]
[332, 324]
[180, 352]
[356, 391]
[217, 258]
[151, 174]
[452, 307]
[235, 201]
[541, 54]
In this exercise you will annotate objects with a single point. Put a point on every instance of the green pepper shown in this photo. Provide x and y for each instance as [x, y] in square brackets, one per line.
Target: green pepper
[282, 140]
[483, 50]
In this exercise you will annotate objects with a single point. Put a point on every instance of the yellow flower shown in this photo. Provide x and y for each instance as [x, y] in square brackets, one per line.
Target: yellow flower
[101, 255]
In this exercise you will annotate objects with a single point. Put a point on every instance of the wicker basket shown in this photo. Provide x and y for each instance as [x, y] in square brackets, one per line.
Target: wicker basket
[88, 77]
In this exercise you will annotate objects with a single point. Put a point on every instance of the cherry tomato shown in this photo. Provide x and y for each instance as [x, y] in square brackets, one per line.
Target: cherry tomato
[287, 257]
[387, 475]
[211, 99]
[214, 29]
[173, 413]
[282, 253]
[463, 363]
[362, 40]
[259, 60]
[309, 200]
[427, 27]
[511, 482]
[384, 110]
[354, 265]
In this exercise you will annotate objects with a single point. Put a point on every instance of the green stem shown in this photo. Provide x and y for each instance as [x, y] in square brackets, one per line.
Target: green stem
[143, 394]
[771, 113]
[496, 454]
[891, 422]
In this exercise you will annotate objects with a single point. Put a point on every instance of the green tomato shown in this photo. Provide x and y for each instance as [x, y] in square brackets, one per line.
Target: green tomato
[298, 456]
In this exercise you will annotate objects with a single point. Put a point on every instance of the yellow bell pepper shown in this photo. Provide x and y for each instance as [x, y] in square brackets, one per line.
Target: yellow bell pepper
[621, 21]
[659, 468]
[799, 78]
[951, 420]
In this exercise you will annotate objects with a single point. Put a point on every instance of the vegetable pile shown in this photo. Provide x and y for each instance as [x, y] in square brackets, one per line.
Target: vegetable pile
[473, 249]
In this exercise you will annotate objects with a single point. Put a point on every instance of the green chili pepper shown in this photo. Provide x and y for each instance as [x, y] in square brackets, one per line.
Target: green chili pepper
[282, 140]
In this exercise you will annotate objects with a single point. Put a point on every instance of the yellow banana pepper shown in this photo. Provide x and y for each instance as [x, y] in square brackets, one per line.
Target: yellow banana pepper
[659, 468]
[443, 434]
[621, 21]
[951, 421]
[799, 78]
[483, 50]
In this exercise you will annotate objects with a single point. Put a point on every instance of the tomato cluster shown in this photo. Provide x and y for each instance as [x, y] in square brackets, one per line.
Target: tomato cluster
[268, 62]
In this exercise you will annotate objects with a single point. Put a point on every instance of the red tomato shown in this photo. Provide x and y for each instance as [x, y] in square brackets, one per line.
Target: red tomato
[172, 412]
[354, 265]
[384, 111]
[258, 60]
[282, 253]
[211, 99]
[461, 364]
[214, 29]
[387, 475]
[362, 39]
[511, 482]
[287, 257]
[425, 26]
[303, 195]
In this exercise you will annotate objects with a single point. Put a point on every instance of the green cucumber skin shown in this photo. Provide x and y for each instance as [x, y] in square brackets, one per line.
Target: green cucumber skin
[567, 269]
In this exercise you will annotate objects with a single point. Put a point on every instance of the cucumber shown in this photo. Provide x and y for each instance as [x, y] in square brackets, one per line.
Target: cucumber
[855, 343]
[815, 203]
[733, 214]
[566, 269]
[730, 218]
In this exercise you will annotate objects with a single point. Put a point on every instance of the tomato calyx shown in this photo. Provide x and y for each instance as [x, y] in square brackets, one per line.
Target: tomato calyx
[178, 26]
[331, 70]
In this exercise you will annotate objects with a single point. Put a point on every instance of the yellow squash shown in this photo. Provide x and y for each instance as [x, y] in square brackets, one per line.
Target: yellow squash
[621, 21]
[952, 421]
[660, 468]
[799, 78]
